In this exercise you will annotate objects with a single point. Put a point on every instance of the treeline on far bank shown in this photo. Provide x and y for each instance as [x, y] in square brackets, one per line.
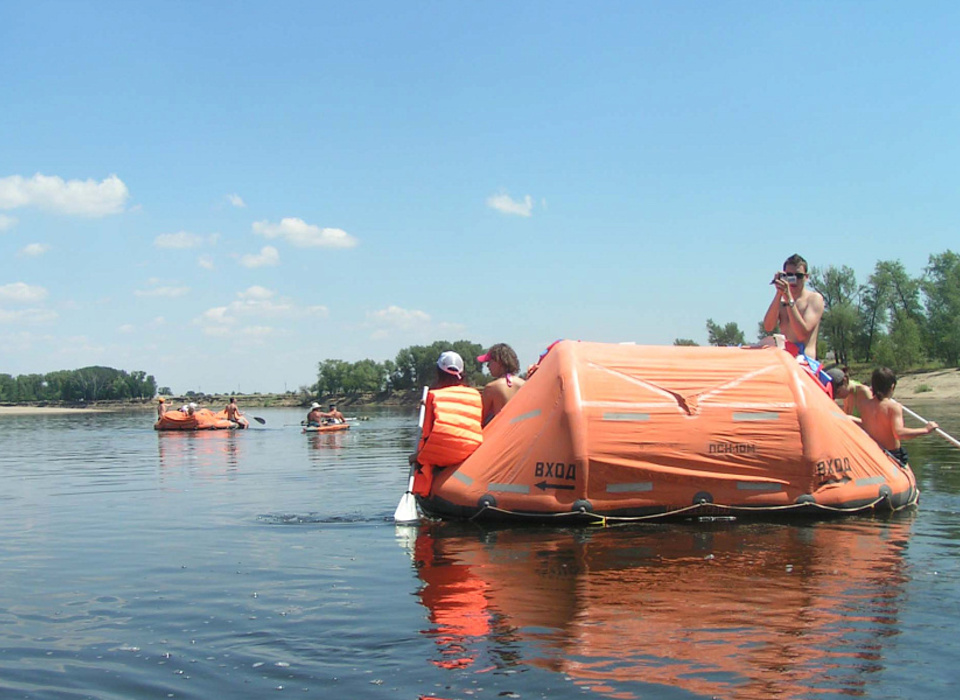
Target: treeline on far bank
[85, 385]
[891, 319]
[413, 367]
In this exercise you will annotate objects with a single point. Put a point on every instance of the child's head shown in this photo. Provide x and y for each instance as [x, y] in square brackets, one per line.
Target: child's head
[883, 382]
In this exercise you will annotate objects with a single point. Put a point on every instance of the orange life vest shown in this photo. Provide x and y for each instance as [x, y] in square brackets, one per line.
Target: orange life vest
[451, 431]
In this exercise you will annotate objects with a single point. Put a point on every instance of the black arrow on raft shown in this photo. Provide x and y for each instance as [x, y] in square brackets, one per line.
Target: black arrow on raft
[543, 486]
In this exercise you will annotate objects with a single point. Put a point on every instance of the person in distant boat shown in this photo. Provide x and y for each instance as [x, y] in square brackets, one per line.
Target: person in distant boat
[333, 415]
[852, 392]
[161, 407]
[234, 413]
[451, 424]
[795, 309]
[503, 364]
[315, 416]
[882, 417]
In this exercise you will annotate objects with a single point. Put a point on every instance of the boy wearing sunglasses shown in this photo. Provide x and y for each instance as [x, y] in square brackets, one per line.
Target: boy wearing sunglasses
[796, 309]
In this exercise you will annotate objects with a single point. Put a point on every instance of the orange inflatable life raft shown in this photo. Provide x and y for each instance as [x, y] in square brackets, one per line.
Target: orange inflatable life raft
[629, 432]
[202, 419]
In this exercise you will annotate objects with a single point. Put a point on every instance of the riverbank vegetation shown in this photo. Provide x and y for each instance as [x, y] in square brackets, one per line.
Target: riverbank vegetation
[85, 385]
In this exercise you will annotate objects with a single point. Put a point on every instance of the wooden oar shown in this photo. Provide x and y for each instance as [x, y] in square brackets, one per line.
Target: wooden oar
[406, 511]
[943, 434]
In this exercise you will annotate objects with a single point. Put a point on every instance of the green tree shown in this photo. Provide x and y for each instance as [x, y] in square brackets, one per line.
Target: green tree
[729, 334]
[840, 320]
[902, 347]
[686, 342]
[942, 291]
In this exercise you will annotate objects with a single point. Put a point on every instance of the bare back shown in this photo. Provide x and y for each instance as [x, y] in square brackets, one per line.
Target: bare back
[879, 418]
[496, 394]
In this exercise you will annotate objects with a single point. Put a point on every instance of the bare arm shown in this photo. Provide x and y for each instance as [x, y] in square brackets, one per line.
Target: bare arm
[772, 317]
[905, 433]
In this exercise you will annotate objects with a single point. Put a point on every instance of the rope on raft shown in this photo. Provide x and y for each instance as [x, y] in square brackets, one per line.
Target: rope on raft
[604, 520]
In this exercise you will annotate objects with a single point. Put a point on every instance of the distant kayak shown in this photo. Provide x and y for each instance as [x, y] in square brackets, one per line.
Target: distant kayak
[332, 428]
[202, 419]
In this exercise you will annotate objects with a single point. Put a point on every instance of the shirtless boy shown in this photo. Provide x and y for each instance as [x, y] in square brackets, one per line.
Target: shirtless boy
[882, 417]
[796, 309]
[503, 365]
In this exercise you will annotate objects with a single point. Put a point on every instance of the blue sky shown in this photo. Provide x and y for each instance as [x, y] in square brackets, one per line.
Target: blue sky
[225, 194]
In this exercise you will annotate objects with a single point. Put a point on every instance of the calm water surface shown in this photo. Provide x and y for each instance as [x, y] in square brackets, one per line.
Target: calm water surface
[265, 563]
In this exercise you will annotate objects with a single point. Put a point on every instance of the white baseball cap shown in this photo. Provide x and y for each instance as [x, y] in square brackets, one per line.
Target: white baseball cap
[314, 405]
[451, 363]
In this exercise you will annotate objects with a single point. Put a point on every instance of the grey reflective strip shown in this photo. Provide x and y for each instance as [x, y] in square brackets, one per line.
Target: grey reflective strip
[463, 478]
[758, 486]
[626, 416]
[509, 488]
[769, 415]
[625, 488]
[870, 480]
[525, 416]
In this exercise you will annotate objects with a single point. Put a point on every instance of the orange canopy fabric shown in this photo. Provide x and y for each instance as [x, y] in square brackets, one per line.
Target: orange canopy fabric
[628, 429]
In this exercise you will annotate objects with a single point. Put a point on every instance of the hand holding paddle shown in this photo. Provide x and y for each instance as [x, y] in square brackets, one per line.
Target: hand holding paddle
[942, 433]
[406, 511]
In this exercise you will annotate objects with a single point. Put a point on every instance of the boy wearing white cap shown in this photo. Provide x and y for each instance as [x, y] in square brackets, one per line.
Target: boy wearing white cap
[451, 426]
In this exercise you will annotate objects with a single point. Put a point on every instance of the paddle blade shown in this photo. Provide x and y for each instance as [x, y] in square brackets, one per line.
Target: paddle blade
[407, 509]
[260, 420]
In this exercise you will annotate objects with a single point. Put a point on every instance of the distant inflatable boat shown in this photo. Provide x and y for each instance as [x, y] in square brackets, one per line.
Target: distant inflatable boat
[331, 428]
[626, 432]
[202, 419]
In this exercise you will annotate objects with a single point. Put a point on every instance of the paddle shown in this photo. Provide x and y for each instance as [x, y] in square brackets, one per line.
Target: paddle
[406, 511]
[259, 420]
[943, 434]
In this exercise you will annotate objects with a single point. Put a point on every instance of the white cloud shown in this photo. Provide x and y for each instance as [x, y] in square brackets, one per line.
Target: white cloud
[183, 239]
[165, 292]
[267, 257]
[21, 292]
[299, 233]
[504, 204]
[34, 249]
[7, 222]
[81, 197]
[127, 328]
[257, 331]
[397, 317]
[256, 292]
[236, 200]
[205, 261]
[254, 304]
[24, 316]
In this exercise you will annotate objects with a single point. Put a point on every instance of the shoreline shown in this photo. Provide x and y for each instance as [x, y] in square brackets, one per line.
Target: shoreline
[938, 386]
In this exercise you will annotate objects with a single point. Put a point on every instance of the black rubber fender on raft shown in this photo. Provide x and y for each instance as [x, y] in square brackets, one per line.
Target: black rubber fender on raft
[806, 499]
[486, 501]
[582, 506]
[702, 497]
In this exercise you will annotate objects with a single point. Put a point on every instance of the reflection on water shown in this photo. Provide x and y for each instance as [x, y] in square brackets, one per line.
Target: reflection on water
[748, 611]
[201, 452]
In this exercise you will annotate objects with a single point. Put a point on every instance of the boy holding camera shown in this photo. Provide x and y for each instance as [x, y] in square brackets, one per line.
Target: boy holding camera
[796, 309]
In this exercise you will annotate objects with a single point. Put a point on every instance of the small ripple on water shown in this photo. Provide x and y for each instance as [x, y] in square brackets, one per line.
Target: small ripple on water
[314, 519]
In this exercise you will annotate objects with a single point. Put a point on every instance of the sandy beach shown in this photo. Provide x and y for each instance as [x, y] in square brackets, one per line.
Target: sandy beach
[30, 410]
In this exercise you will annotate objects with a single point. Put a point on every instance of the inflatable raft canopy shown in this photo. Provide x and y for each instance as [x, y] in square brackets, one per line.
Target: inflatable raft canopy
[635, 432]
[202, 419]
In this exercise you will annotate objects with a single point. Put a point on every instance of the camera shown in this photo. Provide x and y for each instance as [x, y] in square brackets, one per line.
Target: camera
[789, 279]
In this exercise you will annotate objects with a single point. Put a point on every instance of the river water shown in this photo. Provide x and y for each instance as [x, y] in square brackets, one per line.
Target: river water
[265, 563]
